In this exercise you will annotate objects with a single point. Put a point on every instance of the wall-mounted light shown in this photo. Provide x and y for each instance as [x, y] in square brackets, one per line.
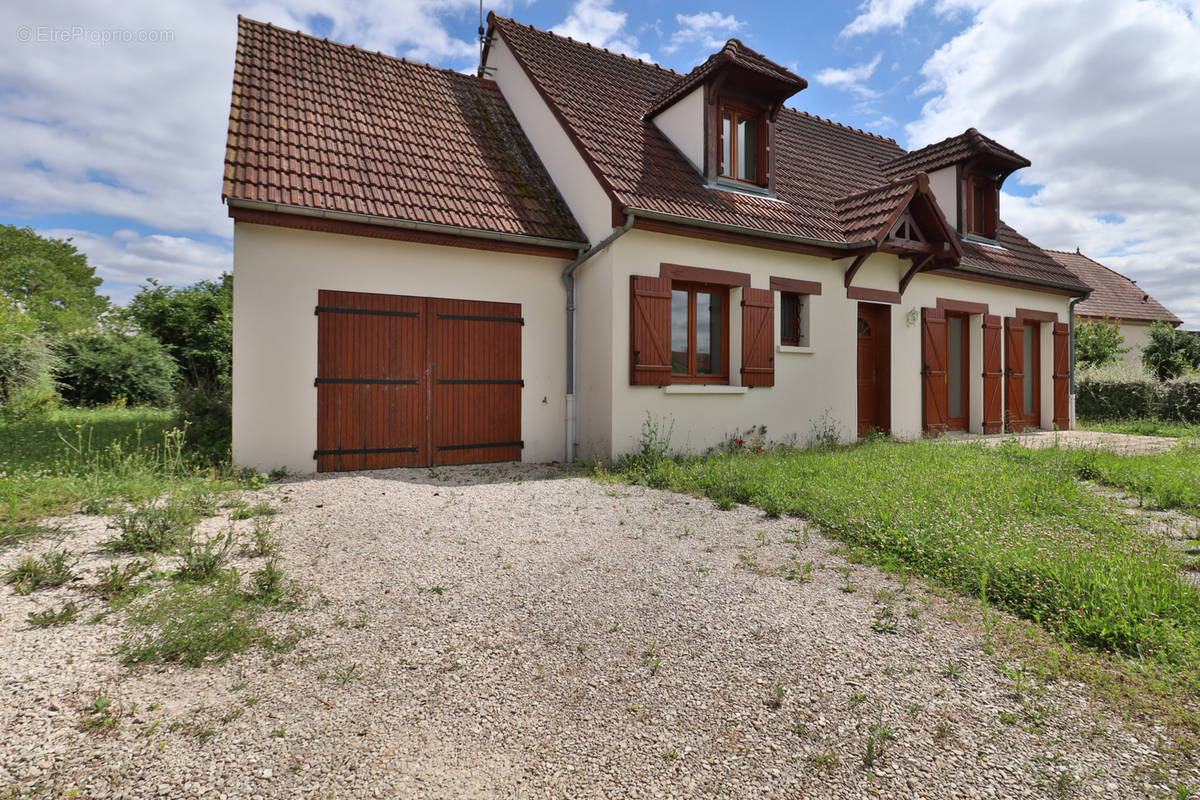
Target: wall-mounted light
[912, 317]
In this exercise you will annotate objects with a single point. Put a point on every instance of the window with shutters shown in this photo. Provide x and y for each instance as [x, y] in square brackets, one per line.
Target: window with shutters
[982, 206]
[793, 319]
[699, 333]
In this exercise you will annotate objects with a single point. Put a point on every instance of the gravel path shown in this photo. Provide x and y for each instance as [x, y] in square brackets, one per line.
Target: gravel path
[514, 631]
[1123, 443]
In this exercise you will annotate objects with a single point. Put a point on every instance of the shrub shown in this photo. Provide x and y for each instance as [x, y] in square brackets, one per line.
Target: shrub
[100, 367]
[26, 364]
[1098, 341]
[1171, 352]
[1137, 398]
[206, 410]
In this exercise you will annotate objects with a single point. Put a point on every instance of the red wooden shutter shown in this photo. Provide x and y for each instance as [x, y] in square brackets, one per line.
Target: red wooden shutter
[934, 344]
[649, 331]
[1014, 375]
[758, 337]
[993, 398]
[1062, 376]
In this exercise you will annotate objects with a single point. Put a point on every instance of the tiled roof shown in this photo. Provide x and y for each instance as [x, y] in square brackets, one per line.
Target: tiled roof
[865, 213]
[322, 125]
[951, 151]
[734, 52]
[603, 98]
[1113, 294]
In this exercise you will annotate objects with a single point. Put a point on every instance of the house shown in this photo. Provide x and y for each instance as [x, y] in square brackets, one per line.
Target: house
[1119, 299]
[436, 268]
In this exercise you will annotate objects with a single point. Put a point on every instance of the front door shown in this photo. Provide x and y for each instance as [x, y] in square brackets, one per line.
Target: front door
[874, 375]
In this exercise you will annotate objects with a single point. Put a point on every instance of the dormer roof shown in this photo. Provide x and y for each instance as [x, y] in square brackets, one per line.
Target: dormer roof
[777, 80]
[871, 215]
[967, 146]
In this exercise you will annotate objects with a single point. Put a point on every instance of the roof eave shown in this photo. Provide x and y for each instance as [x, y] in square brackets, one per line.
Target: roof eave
[663, 216]
[994, 273]
[412, 225]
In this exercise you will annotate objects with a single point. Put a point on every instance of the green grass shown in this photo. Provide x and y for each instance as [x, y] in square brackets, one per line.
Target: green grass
[1143, 427]
[1162, 480]
[96, 459]
[1007, 524]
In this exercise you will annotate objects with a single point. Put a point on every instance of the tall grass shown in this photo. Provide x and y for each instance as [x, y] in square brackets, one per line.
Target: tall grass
[95, 459]
[1006, 524]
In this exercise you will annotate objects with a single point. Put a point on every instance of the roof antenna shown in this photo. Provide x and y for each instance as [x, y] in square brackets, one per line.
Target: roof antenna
[482, 38]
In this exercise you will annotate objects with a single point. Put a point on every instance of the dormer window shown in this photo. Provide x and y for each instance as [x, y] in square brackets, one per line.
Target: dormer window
[741, 144]
[982, 206]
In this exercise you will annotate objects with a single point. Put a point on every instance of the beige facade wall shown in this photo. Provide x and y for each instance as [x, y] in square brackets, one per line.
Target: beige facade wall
[584, 195]
[683, 123]
[814, 387]
[944, 185]
[277, 275]
[1137, 337]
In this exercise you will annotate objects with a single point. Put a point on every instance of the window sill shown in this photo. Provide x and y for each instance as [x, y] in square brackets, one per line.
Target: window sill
[703, 388]
[787, 348]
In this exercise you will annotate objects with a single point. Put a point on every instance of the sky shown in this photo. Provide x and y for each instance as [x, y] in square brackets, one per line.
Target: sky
[113, 114]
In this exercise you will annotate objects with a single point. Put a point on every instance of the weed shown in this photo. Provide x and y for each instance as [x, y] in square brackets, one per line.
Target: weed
[952, 670]
[803, 574]
[256, 510]
[16, 533]
[267, 586]
[52, 568]
[152, 528]
[825, 762]
[775, 698]
[856, 698]
[116, 583]
[885, 620]
[68, 612]
[879, 736]
[204, 560]
[347, 674]
[102, 714]
[438, 590]
[943, 731]
[670, 754]
[264, 543]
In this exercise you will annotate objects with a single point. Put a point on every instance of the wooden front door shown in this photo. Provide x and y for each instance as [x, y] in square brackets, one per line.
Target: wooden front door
[415, 381]
[874, 368]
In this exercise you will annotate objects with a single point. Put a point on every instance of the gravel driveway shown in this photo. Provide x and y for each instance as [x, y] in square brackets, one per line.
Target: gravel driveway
[516, 631]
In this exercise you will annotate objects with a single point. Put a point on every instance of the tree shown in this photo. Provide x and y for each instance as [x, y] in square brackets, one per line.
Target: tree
[50, 280]
[194, 324]
[26, 363]
[1171, 352]
[1098, 342]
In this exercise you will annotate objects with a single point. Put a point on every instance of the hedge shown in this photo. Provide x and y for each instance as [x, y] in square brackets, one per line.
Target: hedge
[1130, 399]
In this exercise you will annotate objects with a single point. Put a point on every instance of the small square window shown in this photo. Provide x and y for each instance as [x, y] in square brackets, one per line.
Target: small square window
[793, 319]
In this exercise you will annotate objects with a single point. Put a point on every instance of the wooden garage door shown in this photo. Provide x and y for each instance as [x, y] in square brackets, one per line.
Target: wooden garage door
[415, 381]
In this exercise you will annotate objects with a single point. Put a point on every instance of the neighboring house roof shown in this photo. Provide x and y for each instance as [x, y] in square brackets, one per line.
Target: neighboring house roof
[604, 100]
[321, 125]
[1113, 294]
[953, 150]
[734, 52]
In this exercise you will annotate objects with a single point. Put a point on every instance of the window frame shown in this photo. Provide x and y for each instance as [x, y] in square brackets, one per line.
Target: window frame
[691, 376]
[729, 171]
[803, 316]
[987, 211]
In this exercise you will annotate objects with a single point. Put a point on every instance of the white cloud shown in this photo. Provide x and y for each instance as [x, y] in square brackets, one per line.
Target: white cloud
[877, 15]
[851, 78]
[708, 29]
[136, 129]
[126, 259]
[595, 22]
[1103, 96]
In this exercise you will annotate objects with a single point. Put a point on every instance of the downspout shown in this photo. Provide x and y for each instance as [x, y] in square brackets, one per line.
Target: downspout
[568, 279]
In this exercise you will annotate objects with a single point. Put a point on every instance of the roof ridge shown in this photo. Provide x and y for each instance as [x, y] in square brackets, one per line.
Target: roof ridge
[355, 48]
[844, 126]
[588, 45]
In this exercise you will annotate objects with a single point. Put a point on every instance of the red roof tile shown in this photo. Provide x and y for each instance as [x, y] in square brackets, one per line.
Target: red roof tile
[603, 99]
[323, 125]
[966, 145]
[734, 52]
[1113, 294]
[864, 214]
